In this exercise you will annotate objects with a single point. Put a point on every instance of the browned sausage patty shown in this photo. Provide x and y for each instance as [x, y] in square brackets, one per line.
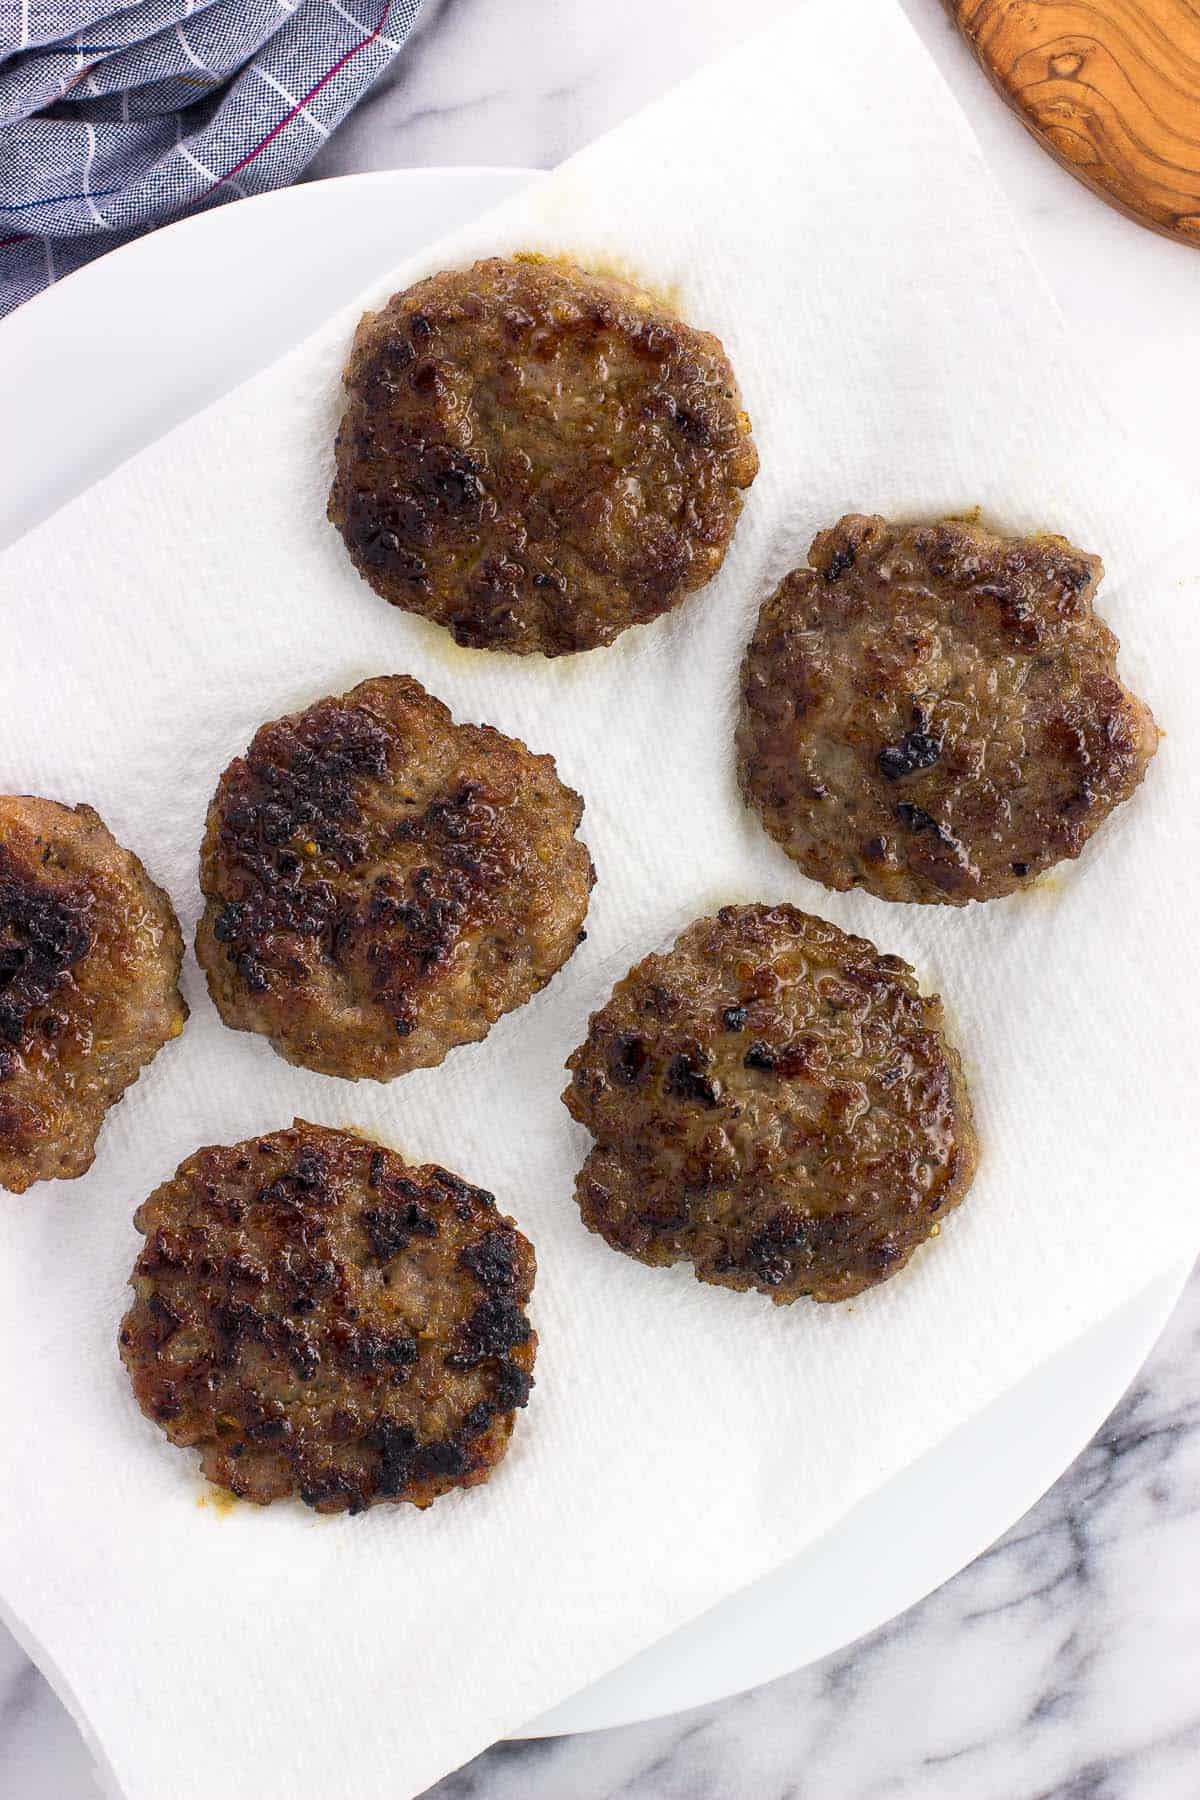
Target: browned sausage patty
[933, 712]
[90, 952]
[382, 884]
[536, 457]
[774, 1102]
[318, 1318]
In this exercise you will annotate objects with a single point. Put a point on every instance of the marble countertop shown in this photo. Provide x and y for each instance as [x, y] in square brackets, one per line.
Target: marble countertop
[1064, 1664]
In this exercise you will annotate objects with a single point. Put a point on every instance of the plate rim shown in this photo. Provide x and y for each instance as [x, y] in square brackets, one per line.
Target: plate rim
[149, 242]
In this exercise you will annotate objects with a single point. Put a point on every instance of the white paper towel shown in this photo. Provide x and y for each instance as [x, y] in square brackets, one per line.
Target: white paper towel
[819, 203]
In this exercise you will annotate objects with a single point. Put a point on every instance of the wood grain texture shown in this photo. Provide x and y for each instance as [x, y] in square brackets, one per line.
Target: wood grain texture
[1111, 87]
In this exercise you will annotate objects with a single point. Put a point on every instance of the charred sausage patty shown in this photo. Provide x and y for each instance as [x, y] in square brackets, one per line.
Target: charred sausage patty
[933, 712]
[90, 951]
[536, 457]
[317, 1317]
[381, 884]
[774, 1102]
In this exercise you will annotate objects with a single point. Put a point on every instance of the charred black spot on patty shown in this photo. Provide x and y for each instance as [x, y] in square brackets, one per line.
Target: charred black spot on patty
[492, 1261]
[686, 1078]
[916, 750]
[392, 1229]
[915, 818]
[496, 1326]
[44, 932]
[629, 1060]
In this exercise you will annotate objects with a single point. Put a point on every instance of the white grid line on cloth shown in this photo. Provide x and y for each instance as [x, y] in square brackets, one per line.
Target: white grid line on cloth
[301, 112]
[188, 51]
[382, 37]
[24, 24]
[87, 177]
[228, 181]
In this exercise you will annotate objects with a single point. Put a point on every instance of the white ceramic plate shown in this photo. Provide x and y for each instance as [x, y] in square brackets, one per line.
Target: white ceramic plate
[106, 362]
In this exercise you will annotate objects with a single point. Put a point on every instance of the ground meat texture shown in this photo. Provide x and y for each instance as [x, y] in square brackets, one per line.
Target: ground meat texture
[933, 712]
[320, 1319]
[90, 951]
[382, 884]
[536, 457]
[774, 1102]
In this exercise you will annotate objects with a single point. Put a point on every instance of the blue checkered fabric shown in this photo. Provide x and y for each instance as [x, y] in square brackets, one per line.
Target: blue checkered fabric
[112, 122]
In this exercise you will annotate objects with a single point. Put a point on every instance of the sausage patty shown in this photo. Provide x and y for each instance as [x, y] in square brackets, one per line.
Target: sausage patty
[318, 1318]
[382, 884]
[774, 1102]
[933, 712]
[536, 457]
[90, 951]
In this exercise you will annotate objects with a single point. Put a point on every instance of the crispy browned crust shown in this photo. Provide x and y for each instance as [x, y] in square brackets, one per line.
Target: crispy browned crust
[537, 457]
[90, 953]
[774, 1102]
[933, 712]
[318, 1318]
[382, 884]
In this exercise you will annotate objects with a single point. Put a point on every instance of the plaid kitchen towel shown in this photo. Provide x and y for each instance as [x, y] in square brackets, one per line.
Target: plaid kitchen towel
[114, 121]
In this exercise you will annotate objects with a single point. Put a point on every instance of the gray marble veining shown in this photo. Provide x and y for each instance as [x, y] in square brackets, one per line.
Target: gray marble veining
[1064, 1664]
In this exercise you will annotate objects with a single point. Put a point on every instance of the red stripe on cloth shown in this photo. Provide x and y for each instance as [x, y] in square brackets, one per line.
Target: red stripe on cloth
[303, 102]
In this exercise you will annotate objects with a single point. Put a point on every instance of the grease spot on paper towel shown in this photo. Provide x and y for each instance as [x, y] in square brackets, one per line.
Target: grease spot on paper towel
[374, 1134]
[549, 675]
[1048, 889]
[218, 1500]
[611, 264]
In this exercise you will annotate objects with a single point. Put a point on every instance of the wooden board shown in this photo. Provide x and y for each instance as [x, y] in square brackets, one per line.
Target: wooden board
[1111, 87]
